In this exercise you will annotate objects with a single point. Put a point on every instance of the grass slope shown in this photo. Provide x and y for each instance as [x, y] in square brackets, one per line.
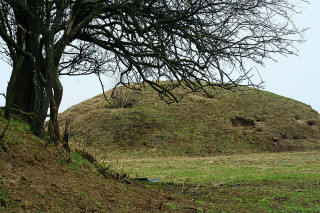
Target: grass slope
[35, 179]
[226, 123]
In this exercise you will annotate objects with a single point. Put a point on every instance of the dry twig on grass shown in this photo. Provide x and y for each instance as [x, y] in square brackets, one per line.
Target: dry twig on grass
[3, 134]
[66, 137]
[86, 155]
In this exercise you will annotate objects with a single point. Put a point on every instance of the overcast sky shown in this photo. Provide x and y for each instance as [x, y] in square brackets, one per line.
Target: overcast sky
[293, 77]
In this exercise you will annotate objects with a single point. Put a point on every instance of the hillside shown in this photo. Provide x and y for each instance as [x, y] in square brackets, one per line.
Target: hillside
[207, 152]
[225, 122]
[34, 178]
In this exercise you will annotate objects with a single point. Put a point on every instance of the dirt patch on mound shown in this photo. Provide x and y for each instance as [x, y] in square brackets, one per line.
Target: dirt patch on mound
[241, 121]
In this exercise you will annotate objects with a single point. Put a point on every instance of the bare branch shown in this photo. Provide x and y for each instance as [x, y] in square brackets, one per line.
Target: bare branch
[192, 44]
[102, 87]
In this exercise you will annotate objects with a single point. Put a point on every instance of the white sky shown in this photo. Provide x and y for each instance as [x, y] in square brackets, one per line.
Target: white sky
[293, 77]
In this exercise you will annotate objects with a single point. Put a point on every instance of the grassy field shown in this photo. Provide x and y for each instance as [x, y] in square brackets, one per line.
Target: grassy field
[259, 182]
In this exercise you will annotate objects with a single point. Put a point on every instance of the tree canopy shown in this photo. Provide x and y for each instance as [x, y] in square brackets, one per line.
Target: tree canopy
[190, 43]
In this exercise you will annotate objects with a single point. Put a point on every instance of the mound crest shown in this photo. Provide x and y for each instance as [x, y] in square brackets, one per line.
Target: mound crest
[228, 122]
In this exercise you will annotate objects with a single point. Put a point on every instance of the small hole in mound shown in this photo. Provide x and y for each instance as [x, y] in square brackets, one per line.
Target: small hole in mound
[210, 96]
[311, 123]
[128, 105]
[240, 121]
[275, 139]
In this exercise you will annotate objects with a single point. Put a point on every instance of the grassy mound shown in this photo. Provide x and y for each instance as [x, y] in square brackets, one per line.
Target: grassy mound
[139, 124]
[36, 178]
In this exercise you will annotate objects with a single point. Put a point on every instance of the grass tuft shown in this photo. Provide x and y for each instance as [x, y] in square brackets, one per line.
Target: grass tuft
[5, 200]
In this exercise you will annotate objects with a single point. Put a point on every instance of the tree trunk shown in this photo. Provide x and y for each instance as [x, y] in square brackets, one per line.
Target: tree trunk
[34, 81]
[41, 104]
[53, 128]
[10, 89]
[20, 91]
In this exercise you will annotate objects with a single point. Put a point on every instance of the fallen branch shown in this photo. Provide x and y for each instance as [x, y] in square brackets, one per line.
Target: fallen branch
[19, 110]
[66, 137]
[87, 156]
[4, 131]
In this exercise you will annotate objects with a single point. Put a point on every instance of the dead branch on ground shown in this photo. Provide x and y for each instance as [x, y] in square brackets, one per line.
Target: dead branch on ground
[66, 137]
[2, 136]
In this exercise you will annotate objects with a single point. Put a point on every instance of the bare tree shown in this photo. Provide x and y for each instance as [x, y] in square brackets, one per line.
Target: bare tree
[194, 44]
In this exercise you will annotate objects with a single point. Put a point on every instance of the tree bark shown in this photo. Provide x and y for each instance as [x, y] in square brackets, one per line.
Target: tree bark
[20, 91]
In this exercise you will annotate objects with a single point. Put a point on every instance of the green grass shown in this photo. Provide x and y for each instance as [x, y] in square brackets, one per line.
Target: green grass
[265, 182]
[74, 160]
[273, 166]
[16, 132]
[5, 200]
